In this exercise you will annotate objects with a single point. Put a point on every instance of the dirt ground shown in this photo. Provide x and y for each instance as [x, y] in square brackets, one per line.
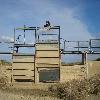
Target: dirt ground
[12, 96]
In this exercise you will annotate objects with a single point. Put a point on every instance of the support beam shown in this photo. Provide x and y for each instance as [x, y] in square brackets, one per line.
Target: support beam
[6, 53]
[84, 58]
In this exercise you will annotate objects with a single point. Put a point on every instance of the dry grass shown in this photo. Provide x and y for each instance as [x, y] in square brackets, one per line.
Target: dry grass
[94, 84]
[5, 63]
[12, 96]
[71, 90]
[8, 92]
[77, 89]
[3, 82]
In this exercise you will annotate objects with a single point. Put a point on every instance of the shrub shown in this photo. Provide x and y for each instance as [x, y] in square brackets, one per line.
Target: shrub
[94, 84]
[71, 90]
[3, 82]
[76, 89]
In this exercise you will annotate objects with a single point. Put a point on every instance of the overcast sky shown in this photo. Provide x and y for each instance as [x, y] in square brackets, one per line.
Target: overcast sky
[79, 19]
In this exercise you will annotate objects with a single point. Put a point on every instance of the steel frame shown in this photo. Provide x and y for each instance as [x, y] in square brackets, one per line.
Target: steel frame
[63, 51]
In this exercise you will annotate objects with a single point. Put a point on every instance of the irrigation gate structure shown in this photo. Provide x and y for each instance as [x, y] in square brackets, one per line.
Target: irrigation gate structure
[45, 60]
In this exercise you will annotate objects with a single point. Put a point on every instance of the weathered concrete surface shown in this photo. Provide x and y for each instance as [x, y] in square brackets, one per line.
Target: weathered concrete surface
[93, 68]
[79, 71]
[68, 72]
[72, 72]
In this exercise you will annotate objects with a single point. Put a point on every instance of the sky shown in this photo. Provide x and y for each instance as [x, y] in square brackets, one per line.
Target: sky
[79, 19]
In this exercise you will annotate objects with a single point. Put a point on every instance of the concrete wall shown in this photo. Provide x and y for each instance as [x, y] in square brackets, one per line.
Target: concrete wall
[93, 68]
[66, 72]
[72, 72]
[79, 71]
[47, 61]
[23, 58]
[48, 53]
[47, 47]
[47, 56]
[23, 68]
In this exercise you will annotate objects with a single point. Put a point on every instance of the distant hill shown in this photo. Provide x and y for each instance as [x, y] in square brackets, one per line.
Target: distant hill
[98, 59]
[4, 62]
[71, 64]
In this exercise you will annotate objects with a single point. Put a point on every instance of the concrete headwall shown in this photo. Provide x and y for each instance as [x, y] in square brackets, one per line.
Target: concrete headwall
[93, 68]
[72, 72]
[79, 71]
[68, 72]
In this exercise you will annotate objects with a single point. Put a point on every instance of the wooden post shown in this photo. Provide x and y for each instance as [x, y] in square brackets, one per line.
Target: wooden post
[84, 57]
[36, 75]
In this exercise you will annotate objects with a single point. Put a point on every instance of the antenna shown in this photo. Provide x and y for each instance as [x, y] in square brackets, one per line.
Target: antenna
[24, 33]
